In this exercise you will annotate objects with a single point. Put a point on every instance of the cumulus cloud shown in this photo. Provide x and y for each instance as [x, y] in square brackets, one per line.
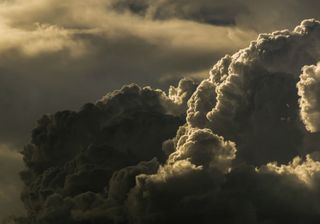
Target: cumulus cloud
[73, 156]
[308, 90]
[97, 165]
[191, 173]
[251, 99]
[189, 194]
[306, 171]
[176, 100]
[251, 96]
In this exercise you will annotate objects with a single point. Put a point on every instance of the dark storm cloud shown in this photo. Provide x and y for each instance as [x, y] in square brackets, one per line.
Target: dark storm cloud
[55, 55]
[58, 54]
[74, 153]
[212, 12]
[260, 16]
[233, 161]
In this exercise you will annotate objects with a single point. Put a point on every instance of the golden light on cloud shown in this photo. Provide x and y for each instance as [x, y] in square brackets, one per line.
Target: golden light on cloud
[306, 171]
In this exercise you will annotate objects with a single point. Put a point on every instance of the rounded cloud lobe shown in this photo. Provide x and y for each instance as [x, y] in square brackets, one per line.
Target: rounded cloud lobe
[238, 151]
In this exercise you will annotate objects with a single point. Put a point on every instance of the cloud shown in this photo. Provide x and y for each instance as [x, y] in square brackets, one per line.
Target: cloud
[190, 194]
[51, 49]
[10, 184]
[230, 162]
[247, 13]
[203, 179]
[245, 100]
[219, 151]
[74, 155]
[306, 171]
[251, 96]
[54, 48]
[308, 90]
[176, 100]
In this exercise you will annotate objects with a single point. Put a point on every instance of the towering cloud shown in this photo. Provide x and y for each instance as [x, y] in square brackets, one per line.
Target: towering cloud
[251, 97]
[309, 91]
[236, 152]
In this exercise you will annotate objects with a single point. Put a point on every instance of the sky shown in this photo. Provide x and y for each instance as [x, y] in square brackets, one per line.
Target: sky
[60, 55]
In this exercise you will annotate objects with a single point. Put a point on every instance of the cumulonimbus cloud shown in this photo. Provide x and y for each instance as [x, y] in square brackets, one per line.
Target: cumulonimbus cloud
[241, 152]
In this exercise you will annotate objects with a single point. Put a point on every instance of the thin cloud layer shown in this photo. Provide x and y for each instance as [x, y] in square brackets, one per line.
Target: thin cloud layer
[243, 13]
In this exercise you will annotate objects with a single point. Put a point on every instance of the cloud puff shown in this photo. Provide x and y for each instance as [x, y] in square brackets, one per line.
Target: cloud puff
[308, 90]
[191, 173]
[176, 100]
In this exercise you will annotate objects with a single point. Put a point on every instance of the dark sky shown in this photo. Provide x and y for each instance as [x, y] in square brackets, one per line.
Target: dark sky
[58, 54]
